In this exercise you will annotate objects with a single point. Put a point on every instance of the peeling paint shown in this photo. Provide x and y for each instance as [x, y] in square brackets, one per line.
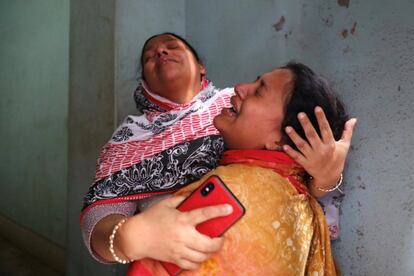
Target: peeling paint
[279, 24]
[343, 3]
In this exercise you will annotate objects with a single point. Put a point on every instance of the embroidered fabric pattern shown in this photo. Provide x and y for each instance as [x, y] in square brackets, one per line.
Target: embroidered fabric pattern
[168, 170]
[122, 135]
[160, 124]
[141, 137]
[143, 103]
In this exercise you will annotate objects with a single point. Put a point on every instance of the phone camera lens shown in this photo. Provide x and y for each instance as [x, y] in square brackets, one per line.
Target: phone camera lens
[207, 189]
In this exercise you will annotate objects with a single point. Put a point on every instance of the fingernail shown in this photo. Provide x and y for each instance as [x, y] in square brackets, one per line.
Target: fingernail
[285, 147]
[301, 115]
[228, 209]
[318, 109]
[288, 129]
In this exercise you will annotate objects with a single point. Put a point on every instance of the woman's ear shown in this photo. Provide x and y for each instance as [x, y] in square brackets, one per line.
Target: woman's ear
[202, 70]
[273, 142]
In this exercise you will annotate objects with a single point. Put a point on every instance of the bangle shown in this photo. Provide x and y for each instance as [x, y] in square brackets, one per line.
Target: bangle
[332, 189]
[111, 243]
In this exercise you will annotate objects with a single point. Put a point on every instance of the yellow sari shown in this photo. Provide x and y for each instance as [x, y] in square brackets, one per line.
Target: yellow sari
[283, 232]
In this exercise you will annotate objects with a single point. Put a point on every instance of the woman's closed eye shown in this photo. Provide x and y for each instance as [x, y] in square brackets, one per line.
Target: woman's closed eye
[172, 45]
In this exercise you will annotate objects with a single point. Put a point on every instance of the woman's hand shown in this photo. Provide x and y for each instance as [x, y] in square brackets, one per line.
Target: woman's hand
[323, 157]
[163, 233]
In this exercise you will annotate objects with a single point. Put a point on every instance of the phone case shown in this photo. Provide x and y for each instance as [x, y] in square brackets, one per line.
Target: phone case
[212, 192]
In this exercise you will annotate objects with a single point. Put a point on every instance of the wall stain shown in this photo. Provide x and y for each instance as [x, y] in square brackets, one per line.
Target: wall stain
[347, 49]
[288, 34]
[343, 3]
[344, 33]
[353, 29]
[278, 26]
[359, 250]
[408, 206]
[328, 20]
[362, 186]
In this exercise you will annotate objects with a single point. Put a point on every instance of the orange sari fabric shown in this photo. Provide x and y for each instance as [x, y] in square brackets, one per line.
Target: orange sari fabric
[283, 232]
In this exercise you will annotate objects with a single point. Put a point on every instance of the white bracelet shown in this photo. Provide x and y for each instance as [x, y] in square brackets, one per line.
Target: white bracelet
[332, 189]
[111, 243]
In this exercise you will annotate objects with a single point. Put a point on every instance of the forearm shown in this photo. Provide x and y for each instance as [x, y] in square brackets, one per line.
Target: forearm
[100, 237]
[94, 215]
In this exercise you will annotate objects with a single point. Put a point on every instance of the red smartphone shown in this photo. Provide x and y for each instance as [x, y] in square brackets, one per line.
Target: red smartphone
[212, 192]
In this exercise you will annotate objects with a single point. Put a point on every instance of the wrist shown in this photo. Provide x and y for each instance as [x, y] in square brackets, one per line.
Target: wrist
[129, 243]
[115, 246]
[320, 188]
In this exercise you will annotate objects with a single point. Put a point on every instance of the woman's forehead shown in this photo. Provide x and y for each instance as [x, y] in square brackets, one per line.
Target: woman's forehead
[277, 73]
[280, 78]
[159, 39]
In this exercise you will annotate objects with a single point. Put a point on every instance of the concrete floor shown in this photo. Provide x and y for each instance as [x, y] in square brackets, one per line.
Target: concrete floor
[14, 262]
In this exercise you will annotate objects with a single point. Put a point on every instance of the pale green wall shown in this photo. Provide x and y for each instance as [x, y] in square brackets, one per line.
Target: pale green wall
[91, 114]
[371, 66]
[106, 37]
[137, 20]
[34, 55]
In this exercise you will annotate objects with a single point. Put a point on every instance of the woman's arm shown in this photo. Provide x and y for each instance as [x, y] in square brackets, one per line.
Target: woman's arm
[323, 157]
[94, 215]
[100, 238]
[160, 232]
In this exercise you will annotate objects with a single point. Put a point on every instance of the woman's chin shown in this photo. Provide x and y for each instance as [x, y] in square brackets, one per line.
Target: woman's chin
[215, 122]
[219, 123]
[169, 75]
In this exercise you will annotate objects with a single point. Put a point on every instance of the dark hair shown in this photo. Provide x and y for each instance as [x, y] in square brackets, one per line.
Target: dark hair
[310, 90]
[193, 51]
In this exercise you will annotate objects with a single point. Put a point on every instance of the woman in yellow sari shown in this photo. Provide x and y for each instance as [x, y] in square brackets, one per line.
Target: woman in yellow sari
[284, 231]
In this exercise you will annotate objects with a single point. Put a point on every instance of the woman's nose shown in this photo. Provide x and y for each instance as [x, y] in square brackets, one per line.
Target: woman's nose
[161, 51]
[241, 90]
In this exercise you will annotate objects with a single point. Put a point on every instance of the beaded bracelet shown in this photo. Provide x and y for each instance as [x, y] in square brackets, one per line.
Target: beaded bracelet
[332, 189]
[111, 243]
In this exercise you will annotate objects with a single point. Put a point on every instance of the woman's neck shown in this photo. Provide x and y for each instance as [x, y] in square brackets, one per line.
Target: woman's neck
[181, 92]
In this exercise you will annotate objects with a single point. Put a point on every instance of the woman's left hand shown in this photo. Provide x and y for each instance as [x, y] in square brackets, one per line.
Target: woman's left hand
[323, 157]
